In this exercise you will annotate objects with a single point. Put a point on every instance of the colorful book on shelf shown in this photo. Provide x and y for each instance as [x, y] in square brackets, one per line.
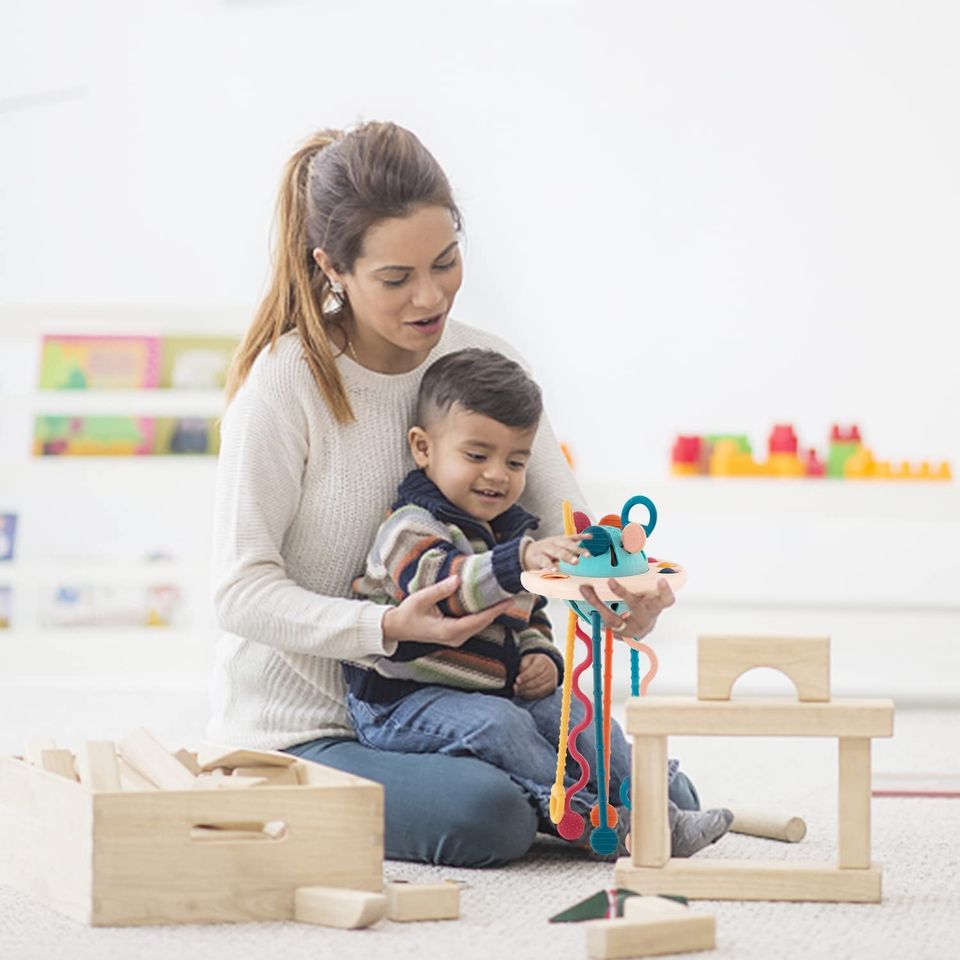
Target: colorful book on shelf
[109, 605]
[117, 436]
[99, 362]
[6, 607]
[96, 436]
[8, 535]
[196, 363]
[186, 435]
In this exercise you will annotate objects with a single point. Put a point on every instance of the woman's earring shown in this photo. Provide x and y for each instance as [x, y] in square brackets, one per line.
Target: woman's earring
[333, 301]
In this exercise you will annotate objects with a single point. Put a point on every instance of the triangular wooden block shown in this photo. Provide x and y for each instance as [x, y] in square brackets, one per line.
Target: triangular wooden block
[213, 755]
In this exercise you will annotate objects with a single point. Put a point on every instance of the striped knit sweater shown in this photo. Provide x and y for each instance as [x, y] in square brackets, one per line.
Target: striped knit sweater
[424, 539]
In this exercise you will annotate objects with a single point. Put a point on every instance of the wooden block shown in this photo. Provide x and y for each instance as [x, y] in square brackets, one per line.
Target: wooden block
[422, 901]
[768, 824]
[212, 755]
[640, 908]
[97, 763]
[189, 760]
[59, 762]
[853, 811]
[131, 780]
[34, 750]
[240, 783]
[761, 716]
[649, 827]
[142, 751]
[333, 907]
[218, 780]
[650, 937]
[272, 776]
[722, 660]
[752, 880]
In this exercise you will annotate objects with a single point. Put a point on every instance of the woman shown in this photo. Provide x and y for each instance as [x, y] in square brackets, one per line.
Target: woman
[321, 394]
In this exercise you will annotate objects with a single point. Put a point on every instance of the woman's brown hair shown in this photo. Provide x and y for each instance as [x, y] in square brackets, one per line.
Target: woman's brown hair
[335, 187]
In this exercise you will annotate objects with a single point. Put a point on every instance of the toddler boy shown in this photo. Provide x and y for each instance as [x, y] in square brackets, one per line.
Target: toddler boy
[496, 697]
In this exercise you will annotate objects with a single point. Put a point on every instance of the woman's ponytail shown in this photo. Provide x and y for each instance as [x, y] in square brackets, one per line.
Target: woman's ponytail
[296, 291]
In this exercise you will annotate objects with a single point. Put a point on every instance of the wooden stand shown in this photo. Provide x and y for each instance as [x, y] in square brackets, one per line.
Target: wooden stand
[853, 722]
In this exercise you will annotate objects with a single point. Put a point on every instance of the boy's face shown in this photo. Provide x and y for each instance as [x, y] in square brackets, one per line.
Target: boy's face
[479, 464]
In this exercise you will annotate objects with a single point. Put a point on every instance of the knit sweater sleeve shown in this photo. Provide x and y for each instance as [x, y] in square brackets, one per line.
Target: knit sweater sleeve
[264, 446]
[414, 550]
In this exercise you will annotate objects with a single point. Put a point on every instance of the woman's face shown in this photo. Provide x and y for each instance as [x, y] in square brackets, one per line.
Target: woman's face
[402, 287]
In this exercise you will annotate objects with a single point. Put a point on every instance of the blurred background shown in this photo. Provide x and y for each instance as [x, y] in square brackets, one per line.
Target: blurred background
[690, 217]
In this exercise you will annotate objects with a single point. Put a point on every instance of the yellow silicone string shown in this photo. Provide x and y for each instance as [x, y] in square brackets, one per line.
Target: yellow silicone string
[558, 794]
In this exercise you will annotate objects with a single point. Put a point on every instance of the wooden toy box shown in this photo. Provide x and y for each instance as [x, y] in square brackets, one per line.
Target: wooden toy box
[186, 856]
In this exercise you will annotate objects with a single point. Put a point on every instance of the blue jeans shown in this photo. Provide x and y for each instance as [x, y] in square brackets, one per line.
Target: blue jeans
[491, 760]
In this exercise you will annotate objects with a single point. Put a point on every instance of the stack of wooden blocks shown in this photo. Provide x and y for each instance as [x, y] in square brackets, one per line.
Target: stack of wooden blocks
[806, 661]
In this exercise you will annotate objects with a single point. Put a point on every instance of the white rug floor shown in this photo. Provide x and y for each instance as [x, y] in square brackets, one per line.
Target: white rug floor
[504, 911]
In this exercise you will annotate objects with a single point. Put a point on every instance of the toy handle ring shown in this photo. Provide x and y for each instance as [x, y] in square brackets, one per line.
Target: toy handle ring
[652, 510]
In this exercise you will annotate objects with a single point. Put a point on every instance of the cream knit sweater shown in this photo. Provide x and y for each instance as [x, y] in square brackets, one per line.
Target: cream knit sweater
[299, 499]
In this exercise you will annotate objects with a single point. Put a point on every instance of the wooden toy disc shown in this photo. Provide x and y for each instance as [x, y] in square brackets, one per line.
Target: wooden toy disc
[560, 586]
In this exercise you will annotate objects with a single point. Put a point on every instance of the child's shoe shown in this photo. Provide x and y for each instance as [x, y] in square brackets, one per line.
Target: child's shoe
[692, 830]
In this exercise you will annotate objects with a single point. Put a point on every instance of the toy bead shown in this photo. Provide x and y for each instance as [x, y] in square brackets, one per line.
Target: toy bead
[611, 815]
[634, 538]
[570, 826]
[599, 542]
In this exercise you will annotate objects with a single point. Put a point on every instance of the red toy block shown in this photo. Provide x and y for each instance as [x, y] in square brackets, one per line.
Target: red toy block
[686, 450]
[813, 465]
[783, 439]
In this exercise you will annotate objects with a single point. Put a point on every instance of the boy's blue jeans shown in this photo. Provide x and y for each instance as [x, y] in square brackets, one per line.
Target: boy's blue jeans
[467, 776]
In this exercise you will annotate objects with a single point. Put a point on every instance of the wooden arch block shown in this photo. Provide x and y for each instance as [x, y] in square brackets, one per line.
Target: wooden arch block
[721, 660]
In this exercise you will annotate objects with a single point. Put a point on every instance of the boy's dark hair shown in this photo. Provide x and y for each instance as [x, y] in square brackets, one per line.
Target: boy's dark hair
[481, 381]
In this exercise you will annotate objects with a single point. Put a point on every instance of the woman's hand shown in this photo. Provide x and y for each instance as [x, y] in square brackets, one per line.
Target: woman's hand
[418, 619]
[547, 553]
[642, 609]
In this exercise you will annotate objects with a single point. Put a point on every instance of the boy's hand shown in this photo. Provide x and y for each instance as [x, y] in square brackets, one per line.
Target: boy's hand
[538, 677]
[546, 554]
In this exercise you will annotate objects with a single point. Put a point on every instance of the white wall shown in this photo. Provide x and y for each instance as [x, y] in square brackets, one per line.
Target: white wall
[742, 211]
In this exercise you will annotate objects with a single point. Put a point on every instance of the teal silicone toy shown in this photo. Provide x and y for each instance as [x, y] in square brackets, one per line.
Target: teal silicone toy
[607, 555]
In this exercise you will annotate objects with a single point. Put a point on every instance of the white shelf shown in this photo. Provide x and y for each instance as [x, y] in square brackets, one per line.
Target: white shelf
[134, 403]
[30, 321]
[83, 571]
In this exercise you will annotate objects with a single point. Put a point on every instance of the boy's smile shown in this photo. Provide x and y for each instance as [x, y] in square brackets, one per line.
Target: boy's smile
[478, 463]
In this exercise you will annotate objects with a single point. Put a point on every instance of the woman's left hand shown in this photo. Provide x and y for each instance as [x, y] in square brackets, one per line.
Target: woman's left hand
[642, 608]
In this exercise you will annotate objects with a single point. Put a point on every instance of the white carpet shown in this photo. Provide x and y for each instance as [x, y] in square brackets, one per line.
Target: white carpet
[504, 911]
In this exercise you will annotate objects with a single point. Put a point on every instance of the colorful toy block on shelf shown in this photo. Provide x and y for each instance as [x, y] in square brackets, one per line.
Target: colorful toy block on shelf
[616, 545]
[730, 455]
[855, 877]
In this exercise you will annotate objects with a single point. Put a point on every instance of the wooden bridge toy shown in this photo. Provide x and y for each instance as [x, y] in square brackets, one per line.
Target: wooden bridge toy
[854, 723]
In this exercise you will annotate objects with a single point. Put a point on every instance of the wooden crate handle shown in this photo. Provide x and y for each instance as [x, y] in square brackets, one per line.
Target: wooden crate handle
[243, 831]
